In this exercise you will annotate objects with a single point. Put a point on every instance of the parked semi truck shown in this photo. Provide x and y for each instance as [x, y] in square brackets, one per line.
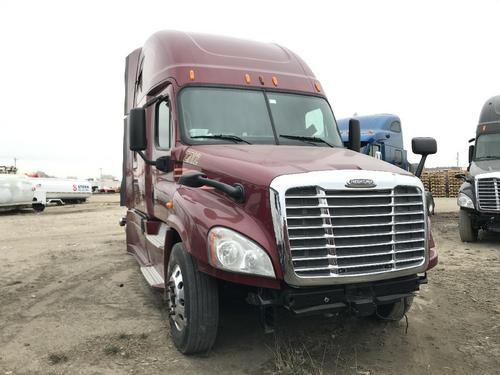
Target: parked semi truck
[382, 138]
[234, 173]
[479, 195]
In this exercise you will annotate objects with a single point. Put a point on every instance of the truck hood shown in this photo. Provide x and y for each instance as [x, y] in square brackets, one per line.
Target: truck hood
[484, 166]
[260, 164]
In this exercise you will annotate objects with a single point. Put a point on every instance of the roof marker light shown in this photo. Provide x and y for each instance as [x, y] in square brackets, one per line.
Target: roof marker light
[317, 86]
[247, 78]
[169, 205]
[275, 81]
[261, 79]
[191, 75]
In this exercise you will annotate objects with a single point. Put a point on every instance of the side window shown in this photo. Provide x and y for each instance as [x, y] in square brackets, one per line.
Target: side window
[162, 126]
[138, 83]
[396, 126]
[314, 123]
[398, 156]
[374, 150]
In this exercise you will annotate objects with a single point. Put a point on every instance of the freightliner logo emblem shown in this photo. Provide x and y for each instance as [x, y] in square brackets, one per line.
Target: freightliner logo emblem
[360, 183]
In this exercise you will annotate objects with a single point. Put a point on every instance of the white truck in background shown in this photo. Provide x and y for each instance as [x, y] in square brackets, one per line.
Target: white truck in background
[63, 190]
[18, 191]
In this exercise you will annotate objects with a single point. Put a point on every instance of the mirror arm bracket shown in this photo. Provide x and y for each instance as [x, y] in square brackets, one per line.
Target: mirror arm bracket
[146, 160]
[198, 179]
[420, 167]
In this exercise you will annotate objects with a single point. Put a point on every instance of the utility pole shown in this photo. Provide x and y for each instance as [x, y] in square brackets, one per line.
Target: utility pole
[458, 160]
[15, 162]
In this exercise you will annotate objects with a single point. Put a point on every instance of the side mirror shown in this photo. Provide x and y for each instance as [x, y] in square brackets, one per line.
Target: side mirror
[423, 146]
[471, 153]
[354, 135]
[137, 129]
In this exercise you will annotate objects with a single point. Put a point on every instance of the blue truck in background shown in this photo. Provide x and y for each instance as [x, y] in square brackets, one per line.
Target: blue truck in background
[382, 138]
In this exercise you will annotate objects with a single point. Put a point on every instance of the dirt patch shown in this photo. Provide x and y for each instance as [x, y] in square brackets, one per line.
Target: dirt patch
[72, 302]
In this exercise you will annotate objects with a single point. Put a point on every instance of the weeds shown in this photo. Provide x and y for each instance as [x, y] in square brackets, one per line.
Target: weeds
[56, 358]
[111, 349]
[293, 359]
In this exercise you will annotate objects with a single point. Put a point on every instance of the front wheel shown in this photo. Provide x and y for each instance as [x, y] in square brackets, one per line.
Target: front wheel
[38, 207]
[394, 311]
[466, 227]
[193, 304]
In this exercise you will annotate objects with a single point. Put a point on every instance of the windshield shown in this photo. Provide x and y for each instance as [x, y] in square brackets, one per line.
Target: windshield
[488, 146]
[220, 115]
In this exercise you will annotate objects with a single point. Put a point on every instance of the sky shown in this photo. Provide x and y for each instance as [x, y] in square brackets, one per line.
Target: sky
[432, 63]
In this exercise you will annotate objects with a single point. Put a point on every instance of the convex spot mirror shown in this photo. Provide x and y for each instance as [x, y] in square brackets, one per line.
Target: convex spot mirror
[137, 129]
[424, 145]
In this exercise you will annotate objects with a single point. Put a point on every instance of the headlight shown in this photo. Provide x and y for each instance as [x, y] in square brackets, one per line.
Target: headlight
[231, 251]
[464, 200]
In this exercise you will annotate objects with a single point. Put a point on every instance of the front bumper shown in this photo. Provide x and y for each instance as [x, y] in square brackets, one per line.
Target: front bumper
[361, 299]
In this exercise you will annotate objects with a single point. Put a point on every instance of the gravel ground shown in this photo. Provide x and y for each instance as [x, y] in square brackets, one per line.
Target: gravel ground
[72, 302]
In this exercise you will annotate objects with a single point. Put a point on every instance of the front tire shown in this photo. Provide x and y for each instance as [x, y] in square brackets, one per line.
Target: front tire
[193, 304]
[394, 311]
[38, 207]
[466, 227]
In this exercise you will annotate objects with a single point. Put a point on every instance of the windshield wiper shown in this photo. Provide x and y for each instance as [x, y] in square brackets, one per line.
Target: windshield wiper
[229, 137]
[487, 157]
[306, 139]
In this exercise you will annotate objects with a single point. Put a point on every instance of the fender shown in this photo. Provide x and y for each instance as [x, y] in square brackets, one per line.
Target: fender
[196, 211]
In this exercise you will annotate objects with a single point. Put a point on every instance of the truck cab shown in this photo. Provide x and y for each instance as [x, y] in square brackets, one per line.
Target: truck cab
[235, 173]
[381, 137]
[479, 195]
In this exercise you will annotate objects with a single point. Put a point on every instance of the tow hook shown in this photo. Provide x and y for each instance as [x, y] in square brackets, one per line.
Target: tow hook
[123, 221]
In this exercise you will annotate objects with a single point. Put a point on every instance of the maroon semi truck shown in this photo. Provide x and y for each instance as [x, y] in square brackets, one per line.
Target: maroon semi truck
[235, 174]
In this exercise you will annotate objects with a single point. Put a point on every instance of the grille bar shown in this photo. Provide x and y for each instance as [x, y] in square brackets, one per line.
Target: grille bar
[350, 196]
[347, 233]
[357, 206]
[329, 256]
[358, 226]
[354, 216]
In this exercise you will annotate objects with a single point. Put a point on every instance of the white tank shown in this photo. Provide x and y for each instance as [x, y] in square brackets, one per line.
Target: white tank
[64, 189]
[15, 191]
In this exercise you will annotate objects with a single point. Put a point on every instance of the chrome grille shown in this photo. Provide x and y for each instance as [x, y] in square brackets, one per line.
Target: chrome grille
[354, 232]
[488, 193]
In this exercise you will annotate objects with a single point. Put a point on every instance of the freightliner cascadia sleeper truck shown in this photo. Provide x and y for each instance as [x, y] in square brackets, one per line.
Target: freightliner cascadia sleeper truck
[479, 195]
[235, 174]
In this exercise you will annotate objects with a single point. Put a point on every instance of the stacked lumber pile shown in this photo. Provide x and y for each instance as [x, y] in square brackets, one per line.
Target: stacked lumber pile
[441, 182]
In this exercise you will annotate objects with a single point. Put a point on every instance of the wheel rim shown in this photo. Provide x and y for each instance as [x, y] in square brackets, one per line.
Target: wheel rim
[176, 303]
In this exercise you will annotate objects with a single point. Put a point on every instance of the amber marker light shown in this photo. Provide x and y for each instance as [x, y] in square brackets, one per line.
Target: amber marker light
[261, 80]
[247, 78]
[191, 75]
[275, 81]
[169, 205]
[317, 86]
